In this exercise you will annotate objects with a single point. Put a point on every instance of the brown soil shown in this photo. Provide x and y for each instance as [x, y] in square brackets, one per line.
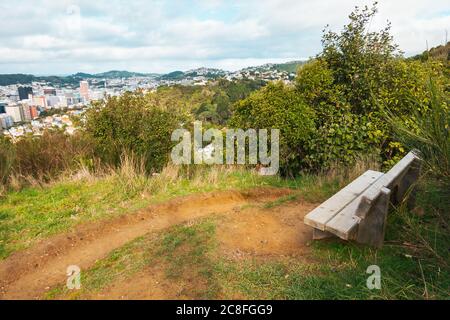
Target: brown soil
[252, 232]
[30, 273]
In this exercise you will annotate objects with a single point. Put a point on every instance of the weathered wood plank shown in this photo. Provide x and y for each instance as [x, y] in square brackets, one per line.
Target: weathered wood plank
[345, 223]
[391, 176]
[319, 217]
[372, 228]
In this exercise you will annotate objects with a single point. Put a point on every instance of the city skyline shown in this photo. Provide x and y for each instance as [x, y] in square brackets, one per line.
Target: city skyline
[65, 37]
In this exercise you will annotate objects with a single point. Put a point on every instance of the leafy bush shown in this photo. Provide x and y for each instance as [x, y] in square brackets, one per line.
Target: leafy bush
[279, 107]
[315, 83]
[342, 139]
[131, 123]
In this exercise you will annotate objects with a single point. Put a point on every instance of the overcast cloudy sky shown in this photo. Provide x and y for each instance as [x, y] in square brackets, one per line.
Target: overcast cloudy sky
[67, 36]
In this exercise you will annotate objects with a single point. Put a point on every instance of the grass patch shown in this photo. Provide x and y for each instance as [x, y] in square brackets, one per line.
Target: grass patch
[185, 253]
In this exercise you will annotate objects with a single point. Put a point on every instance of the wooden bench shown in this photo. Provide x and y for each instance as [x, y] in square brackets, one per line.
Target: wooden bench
[358, 211]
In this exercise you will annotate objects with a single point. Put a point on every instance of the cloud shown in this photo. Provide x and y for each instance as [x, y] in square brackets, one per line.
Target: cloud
[57, 37]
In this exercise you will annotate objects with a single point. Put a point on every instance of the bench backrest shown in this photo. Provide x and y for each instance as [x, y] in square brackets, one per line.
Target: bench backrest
[388, 180]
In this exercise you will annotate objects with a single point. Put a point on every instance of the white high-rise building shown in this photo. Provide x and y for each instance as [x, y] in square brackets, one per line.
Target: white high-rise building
[15, 111]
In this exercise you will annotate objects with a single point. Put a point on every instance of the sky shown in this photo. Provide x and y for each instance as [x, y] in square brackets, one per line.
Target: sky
[60, 37]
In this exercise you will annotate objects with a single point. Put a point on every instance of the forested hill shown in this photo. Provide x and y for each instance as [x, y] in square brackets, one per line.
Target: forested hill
[9, 79]
[441, 53]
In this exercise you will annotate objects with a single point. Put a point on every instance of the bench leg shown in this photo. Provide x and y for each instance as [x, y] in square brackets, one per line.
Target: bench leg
[406, 186]
[319, 234]
[371, 229]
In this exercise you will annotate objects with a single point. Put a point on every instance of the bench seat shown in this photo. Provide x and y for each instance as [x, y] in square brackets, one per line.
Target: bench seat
[320, 216]
[358, 211]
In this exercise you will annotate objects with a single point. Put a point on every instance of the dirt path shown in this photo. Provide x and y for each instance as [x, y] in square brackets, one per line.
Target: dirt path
[254, 232]
[28, 274]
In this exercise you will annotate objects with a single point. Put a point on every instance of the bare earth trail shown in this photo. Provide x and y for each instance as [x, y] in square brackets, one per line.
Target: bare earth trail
[30, 273]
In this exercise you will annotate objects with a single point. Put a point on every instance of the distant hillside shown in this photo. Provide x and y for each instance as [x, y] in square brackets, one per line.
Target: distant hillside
[209, 73]
[113, 74]
[176, 75]
[441, 53]
[121, 74]
[9, 79]
[290, 67]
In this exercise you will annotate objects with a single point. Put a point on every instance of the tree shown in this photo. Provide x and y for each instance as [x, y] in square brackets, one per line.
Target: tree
[358, 56]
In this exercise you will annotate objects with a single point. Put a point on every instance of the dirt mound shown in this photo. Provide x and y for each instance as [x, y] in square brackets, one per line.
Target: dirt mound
[28, 274]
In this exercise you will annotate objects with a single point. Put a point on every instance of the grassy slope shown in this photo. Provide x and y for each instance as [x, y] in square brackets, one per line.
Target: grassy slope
[414, 262]
[35, 213]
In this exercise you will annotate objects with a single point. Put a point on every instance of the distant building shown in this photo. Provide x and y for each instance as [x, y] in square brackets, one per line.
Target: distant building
[40, 101]
[84, 90]
[53, 101]
[34, 112]
[6, 121]
[16, 112]
[25, 112]
[24, 92]
[2, 107]
[50, 91]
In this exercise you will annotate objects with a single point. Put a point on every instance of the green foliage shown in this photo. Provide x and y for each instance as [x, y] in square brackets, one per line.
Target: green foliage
[359, 75]
[357, 57]
[211, 103]
[428, 131]
[341, 139]
[315, 83]
[132, 123]
[279, 107]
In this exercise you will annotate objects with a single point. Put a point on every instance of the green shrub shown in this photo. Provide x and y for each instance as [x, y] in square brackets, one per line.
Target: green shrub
[340, 140]
[315, 83]
[279, 107]
[132, 123]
